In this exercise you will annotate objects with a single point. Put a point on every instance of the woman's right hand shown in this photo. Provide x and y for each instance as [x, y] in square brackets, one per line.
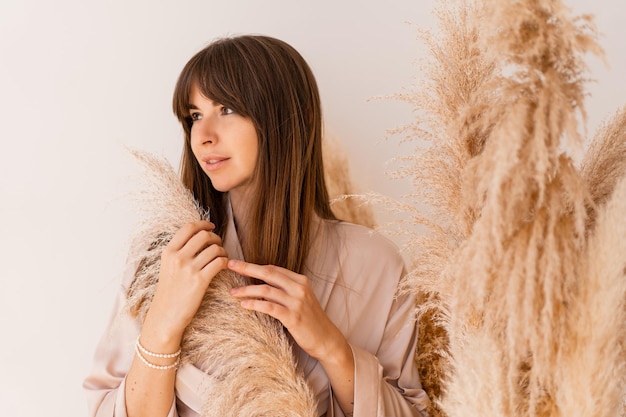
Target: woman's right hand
[188, 264]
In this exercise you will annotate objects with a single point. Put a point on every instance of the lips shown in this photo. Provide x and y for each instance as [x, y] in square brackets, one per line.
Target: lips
[213, 162]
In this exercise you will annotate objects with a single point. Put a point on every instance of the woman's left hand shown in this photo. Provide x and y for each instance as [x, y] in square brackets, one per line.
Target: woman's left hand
[289, 297]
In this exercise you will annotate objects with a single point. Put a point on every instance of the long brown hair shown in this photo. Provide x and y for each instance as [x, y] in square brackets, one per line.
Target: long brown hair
[267, 80]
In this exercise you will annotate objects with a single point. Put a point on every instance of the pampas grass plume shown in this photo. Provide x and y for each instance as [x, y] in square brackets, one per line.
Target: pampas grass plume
[521, 268]
[605, 161]
[341, 188]
[251, 365]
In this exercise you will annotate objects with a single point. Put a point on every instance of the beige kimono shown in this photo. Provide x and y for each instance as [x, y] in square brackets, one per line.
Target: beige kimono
[354, 273]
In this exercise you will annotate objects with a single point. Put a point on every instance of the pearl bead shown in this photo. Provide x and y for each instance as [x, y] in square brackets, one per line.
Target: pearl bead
[152, 365]
[157, 355]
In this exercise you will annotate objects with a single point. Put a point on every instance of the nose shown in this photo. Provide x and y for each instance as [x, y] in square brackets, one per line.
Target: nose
[203, 131]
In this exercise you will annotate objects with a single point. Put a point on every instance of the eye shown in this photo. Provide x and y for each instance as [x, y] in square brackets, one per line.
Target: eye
[195, 116]
[226, 110]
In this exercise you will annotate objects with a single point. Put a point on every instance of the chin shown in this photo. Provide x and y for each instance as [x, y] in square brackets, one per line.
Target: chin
[222, 188]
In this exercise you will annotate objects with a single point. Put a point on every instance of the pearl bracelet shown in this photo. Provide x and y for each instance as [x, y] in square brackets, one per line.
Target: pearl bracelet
[157, 355]
[152, 365]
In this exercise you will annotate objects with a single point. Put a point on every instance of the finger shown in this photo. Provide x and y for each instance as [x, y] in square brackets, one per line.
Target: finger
[187, 231]
[262, 292]
[211, 269]
[277, 311]
[274, 275]
[208, 254]
[200, 241]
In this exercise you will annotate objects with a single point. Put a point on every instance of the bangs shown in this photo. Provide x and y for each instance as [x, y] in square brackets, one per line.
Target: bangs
[218, 71]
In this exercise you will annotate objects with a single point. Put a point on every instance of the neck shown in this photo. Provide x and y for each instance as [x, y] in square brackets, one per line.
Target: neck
[240, 206]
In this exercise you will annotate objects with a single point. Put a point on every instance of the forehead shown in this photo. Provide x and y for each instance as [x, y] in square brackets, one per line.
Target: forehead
[197, 97]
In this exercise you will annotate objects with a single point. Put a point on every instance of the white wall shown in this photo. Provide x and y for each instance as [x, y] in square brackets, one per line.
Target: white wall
[81, 79]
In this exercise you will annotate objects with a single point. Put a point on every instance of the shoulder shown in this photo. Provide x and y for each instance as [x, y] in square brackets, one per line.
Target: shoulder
[360, 254]
[360, 270]
[363, 241]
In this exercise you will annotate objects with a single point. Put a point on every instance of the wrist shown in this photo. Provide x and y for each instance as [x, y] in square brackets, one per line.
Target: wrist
[158, 361]
[157, 337]
[340, 367]
[338, 354]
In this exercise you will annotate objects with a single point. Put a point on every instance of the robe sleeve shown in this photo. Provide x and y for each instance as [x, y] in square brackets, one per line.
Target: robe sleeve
[105, 384]
[382, 332]
[393, 389]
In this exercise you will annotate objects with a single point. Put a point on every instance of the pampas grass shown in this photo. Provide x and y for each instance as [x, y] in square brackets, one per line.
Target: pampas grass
[593, 357]
[249, 356]
[457, 72]
[521, 270]
[603, 164]
[344, 204]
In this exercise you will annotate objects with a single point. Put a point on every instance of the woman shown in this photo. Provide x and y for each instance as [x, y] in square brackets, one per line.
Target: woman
[250, 109]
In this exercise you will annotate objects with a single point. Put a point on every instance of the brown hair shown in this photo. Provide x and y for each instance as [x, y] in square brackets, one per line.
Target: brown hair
[267, 80]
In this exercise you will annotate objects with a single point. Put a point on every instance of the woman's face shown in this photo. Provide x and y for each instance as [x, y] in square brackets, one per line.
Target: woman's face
[224, 143]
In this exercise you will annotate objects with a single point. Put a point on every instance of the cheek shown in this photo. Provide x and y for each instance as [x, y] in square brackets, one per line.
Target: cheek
[194, 150]
[193, 142]
[252, 158]
[252, 146]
